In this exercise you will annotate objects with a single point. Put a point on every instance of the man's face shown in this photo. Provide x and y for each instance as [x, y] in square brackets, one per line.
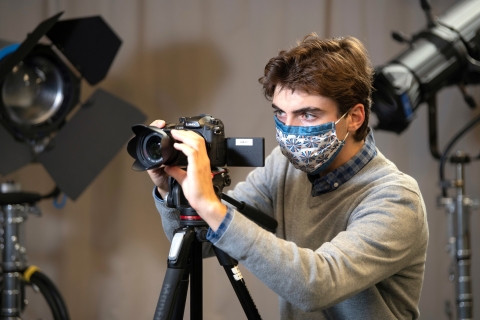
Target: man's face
[299, 108]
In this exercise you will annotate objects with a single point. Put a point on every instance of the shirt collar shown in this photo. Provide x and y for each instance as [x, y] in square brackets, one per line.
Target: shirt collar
[333, 180]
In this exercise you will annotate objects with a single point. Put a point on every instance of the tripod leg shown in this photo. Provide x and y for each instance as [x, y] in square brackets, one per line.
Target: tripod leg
[238, 284]
[196, 294]
[168, 300]
[181, 297]
[174, 289]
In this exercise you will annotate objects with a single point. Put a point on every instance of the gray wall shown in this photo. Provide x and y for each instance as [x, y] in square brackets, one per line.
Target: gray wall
[107, 251]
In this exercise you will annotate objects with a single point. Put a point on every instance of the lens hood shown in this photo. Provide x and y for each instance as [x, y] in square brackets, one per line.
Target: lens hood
[152, 147]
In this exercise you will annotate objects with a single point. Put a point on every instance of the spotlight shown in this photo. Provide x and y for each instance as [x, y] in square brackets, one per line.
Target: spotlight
[446, 53]
[39, 89]
[37, 95]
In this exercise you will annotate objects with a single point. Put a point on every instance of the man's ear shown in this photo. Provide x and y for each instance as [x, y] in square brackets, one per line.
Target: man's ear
[356, 117]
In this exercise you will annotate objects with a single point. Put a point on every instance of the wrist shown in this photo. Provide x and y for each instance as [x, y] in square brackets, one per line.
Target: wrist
[162, 192]
[214, 214]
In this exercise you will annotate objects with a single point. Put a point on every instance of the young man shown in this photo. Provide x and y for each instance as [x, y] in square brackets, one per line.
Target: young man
[352, 231]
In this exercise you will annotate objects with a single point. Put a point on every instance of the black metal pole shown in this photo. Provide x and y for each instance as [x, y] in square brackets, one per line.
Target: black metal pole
[432, 127]
[196, 279]
[238, 283]
[463, 279]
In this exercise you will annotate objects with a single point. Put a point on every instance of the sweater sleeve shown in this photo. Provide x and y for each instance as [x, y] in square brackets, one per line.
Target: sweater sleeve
[381, 238]
[170, 216]
[171, 222]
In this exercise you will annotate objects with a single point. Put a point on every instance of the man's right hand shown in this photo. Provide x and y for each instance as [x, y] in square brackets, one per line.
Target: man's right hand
[158, 175]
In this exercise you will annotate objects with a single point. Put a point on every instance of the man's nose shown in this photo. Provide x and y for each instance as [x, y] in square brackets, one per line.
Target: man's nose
[290, 120]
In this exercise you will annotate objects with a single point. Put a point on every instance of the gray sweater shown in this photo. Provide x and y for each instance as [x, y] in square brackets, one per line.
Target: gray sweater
[354, 253]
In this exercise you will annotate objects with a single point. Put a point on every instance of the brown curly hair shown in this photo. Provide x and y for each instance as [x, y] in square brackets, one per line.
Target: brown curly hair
[337, 68]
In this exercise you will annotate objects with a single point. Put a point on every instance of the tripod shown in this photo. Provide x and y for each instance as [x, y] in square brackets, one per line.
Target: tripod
[14, 209]
[185, 256]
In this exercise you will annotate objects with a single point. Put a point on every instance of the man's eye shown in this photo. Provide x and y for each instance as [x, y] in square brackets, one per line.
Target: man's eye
[309, 116]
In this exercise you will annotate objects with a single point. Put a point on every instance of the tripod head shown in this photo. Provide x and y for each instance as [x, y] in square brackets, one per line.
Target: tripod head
[220, 179]
[176, 199]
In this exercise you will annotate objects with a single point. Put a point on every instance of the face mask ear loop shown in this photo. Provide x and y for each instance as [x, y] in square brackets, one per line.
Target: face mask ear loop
[343, 115]
[341, 119]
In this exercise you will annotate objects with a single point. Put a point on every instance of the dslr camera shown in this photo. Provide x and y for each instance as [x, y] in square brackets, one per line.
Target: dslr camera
[152, 147]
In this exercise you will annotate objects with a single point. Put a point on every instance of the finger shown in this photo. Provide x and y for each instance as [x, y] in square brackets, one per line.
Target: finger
[176, 173]
[194, 157]
[158, 123]
[189, 138]
[186, 149]
[156, 171]
[156, 168]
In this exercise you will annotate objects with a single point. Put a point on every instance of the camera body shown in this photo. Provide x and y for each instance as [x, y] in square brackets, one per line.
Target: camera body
[153, 147]
[211, 129]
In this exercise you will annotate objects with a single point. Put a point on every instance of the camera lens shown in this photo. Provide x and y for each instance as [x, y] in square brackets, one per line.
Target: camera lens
[154, 147]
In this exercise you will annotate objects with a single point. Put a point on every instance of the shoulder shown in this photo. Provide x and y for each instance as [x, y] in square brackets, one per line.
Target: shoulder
[382, 187]
[382, 172]
[381, 182]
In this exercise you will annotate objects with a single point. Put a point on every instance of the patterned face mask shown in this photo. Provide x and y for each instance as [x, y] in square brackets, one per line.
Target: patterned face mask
[310, 149]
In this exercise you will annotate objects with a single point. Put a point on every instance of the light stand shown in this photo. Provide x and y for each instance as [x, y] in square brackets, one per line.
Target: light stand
[15, 208]
[185, 256]
[458, 215]
[458, 231]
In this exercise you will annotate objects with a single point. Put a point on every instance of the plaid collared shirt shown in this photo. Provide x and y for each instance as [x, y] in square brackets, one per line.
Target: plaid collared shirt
[333, 180]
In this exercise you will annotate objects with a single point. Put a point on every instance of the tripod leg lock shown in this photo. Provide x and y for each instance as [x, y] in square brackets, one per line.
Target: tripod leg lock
[176, 246]
[180, 247]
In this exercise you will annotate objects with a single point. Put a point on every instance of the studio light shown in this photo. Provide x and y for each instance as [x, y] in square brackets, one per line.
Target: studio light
[446, 53]
[40, 87]
[37, 94]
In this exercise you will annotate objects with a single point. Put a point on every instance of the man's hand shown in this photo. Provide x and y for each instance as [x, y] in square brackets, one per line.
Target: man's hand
[196, 182]
[158, 175]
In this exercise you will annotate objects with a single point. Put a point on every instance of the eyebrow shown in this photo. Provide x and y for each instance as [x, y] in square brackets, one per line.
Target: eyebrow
[300, 111]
